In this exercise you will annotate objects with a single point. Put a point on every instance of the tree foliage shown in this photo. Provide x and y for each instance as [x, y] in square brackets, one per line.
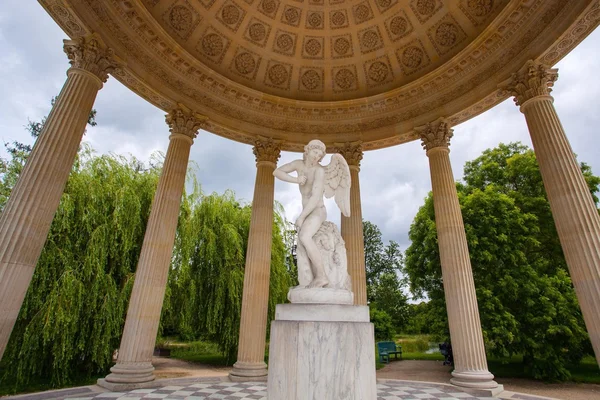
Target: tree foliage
[383, 266]
[383, 325]
[72, 317]
[207, 274]
[526, 299]
[73, 314]
[19, 152]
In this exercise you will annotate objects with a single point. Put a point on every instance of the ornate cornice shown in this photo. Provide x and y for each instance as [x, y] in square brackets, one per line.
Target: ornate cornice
[435, 134]
[352, 152]
[90, 54]
[267, 150]
[585, 24]
[183, 121]
[532, 27]
[532, 80]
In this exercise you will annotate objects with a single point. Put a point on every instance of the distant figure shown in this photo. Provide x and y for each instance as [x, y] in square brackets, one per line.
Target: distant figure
[446, 350]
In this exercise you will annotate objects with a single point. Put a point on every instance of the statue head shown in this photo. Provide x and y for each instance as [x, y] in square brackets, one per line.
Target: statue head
[314, 144]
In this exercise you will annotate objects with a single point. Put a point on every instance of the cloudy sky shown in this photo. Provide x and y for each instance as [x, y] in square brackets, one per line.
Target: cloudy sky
[394, 181]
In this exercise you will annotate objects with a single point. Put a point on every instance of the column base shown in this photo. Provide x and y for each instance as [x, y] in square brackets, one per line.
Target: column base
[248, 372]
[480, 380]
[128, 377]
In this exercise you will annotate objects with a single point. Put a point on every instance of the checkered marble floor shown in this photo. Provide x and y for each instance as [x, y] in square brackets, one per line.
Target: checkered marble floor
[237, 391]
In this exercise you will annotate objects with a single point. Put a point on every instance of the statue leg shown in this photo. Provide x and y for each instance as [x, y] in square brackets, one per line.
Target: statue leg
[305, 275]
[311, 225]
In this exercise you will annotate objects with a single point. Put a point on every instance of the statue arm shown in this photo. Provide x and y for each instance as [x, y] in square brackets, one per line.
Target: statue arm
[283, 173]
[316, 194]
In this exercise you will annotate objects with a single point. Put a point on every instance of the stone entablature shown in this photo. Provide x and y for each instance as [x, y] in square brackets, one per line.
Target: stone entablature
[522, 28]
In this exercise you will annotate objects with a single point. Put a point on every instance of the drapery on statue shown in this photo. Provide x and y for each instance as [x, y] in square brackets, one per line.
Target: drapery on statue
[321, 252]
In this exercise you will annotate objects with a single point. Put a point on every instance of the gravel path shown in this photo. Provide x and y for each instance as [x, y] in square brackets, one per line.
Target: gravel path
[168, 368]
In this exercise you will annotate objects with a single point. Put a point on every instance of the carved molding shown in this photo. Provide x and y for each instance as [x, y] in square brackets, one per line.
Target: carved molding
[352, 152]
[138, 86]
[576, 33]
[183, 121]
[65, 18]
[532, 80]
[89, 53]
[267, 149]
[379, 121]
[436, 134]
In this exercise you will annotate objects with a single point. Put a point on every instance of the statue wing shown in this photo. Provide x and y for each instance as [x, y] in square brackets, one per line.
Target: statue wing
[337, 182]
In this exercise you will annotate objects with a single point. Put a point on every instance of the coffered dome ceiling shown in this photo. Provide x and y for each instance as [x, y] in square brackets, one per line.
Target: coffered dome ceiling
[340, 70]
[324, 50]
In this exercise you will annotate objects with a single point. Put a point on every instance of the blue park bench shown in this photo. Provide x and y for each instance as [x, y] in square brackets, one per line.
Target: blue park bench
[386, 349]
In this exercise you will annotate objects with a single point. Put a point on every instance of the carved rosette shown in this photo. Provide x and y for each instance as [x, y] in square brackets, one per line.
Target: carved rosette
[435, 134]
[532, 80]
[267, 150]
[90, 54]
[183, 121]
[352, 153]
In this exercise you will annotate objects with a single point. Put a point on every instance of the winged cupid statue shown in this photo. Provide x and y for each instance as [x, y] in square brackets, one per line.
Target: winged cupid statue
[321, 251]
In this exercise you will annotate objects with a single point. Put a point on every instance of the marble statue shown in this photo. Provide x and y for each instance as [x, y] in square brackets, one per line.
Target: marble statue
[321, 251]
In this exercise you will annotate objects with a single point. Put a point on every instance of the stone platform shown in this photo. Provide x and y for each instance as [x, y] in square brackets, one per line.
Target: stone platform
[321, 351]
[401, 390]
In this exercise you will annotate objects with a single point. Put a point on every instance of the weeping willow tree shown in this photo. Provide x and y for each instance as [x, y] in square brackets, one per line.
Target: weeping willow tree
[204, 293]
[73, 313]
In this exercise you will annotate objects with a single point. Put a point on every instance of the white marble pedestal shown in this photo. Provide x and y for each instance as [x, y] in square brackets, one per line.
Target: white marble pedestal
[321, 352]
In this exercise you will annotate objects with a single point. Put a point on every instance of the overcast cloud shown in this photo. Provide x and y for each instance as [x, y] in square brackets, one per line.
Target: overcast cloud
[393, 181]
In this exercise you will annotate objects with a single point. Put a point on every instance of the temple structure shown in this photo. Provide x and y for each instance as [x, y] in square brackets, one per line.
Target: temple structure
[358, 75]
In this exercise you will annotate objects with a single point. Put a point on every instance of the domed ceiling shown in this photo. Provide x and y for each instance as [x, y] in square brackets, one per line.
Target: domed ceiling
[324, 50]
[338, 70]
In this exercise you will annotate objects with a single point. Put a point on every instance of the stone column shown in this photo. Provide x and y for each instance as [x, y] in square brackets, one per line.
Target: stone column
[27, 216]
[134, 364]
[352, 226]
[250, 365]
[575, 214]
[470, 364]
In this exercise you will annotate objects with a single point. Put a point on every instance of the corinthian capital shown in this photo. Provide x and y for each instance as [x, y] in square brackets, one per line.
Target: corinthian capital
[183, 121]
[267, 149]
[435, 134]
[352, 153]
[532, 80]
[89, 53]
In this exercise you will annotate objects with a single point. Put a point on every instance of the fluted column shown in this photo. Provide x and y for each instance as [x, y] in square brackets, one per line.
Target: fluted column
[250, 365]
[134, 364]
[27, 216]
[575, 214]
[470, 364]
[352, 226]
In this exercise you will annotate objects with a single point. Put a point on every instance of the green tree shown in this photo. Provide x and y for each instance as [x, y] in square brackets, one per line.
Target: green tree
[421, 319]
[388, 297]
[207, 274]
[19, 152]
[72, 316]
[526, 299]
[383, 266]
[383, 325]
